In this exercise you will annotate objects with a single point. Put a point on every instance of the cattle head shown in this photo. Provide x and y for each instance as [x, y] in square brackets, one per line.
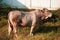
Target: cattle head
[43, 14]
[46, 13]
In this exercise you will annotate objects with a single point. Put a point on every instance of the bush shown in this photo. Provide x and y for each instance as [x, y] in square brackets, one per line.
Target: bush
[3, 21]
[58, 12]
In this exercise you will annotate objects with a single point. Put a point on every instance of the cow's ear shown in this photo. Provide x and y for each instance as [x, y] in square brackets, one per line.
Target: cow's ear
[45, 9]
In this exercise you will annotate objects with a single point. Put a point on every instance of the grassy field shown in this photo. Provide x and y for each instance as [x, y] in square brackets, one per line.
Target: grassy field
[48, 31]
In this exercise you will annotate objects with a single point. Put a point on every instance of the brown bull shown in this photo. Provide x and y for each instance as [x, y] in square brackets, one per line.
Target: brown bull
[15, 16]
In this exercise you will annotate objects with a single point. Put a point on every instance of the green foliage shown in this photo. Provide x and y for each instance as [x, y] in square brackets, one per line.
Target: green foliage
[1, 0]
[4, 5]
[3, 21]
[58, 12]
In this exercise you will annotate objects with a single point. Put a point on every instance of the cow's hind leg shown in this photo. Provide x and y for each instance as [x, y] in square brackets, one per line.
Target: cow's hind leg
[14, 28]
[9, 28]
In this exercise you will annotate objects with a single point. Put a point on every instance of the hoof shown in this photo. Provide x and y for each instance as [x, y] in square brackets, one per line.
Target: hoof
[15, 36]
[30, 35]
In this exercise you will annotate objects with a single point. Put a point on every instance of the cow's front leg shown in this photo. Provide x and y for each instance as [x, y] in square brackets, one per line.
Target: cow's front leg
[32, 27]
[31, 30]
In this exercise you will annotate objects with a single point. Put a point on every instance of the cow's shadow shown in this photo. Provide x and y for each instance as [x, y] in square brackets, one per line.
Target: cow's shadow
[44, 29]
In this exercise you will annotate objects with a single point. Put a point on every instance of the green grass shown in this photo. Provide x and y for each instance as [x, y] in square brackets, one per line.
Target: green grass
[43, 34]
[48, 31]
[3, 21]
